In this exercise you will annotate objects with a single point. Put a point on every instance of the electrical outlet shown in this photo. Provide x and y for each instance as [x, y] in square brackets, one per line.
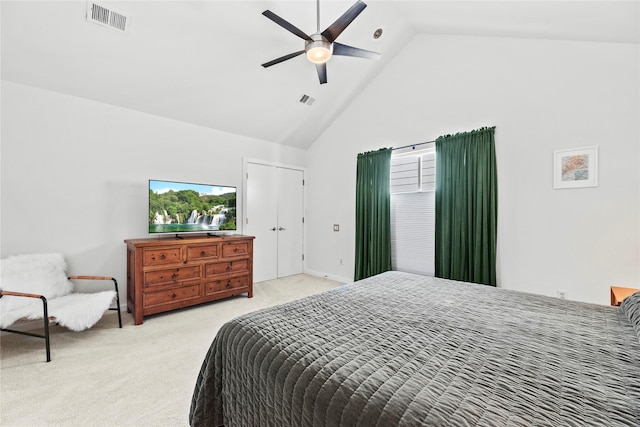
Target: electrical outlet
[562, 294]
[340, 261]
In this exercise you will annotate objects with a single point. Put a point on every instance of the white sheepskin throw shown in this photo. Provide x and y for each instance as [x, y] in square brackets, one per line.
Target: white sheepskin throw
[74, 311]
[44, 274]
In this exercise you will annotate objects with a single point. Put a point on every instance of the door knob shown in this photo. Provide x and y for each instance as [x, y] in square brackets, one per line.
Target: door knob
[281, 228]
[273, 229]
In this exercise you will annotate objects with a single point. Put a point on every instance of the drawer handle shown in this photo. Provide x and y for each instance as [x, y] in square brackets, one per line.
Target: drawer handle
[174, 276]
[202, 253]
[173, 295]
[228, 283]
[163, 256]
[235, 249]
[229, 267]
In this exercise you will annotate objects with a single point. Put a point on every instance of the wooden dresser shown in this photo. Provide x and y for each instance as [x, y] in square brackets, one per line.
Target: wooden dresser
[169, 273]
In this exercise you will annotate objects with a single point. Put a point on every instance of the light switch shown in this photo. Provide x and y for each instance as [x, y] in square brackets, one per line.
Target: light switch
[336, 227]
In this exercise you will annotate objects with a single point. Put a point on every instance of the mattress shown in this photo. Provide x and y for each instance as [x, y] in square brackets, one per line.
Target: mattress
[400, 349]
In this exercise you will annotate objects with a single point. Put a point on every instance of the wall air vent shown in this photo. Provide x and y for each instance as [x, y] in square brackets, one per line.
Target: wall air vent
[306, 100]
[106, 16]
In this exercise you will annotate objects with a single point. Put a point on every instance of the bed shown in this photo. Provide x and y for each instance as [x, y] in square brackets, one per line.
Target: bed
[400, 349]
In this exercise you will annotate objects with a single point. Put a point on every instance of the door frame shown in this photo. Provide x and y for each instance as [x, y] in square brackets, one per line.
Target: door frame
[245, 162]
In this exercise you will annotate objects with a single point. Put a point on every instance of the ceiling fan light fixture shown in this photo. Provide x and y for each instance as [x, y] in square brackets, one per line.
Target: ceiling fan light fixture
[319, 54]
[318, 49]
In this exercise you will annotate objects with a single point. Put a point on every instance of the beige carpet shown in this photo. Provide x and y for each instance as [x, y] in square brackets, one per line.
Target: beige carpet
[135, 376]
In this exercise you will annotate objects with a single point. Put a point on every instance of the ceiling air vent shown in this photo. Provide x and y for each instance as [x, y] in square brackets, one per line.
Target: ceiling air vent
[106, 16]
[306, 100]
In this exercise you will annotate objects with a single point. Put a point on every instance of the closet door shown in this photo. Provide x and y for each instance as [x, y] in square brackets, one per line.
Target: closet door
[290, 225]
[274, 215]
[262, 219]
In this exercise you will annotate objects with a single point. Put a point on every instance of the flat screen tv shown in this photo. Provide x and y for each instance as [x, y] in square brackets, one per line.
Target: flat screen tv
[185, 207]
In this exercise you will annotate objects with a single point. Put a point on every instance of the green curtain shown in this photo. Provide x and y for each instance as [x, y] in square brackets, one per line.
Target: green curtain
[373, 213]
[466, 207]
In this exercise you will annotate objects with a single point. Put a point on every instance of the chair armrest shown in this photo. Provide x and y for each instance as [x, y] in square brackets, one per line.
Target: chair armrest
[19, 294]
[90, 278]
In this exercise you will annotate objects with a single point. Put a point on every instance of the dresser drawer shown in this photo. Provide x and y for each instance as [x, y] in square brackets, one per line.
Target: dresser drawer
[159, 256]
[216, 268]
[177, 294]
[202, 252]
[170, 275]
[224, 285]
[231, 249]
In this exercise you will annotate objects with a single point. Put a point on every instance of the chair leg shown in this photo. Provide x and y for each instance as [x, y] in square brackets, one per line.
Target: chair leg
[46, 328]
[45, 313]
[115, 283]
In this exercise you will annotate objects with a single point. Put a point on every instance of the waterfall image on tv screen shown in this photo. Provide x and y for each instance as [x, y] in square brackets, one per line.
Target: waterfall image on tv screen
[182, 207]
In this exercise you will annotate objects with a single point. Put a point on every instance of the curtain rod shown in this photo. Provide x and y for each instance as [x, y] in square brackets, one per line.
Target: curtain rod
[413, 145]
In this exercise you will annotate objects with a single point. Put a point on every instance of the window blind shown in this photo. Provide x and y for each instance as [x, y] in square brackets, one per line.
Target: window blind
[428, 171]
[412, 186]
[405, 174]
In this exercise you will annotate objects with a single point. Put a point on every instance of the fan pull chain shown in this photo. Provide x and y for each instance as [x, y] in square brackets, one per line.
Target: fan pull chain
[318, 14]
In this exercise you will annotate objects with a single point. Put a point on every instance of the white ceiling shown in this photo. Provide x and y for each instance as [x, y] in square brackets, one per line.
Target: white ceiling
[199, 61]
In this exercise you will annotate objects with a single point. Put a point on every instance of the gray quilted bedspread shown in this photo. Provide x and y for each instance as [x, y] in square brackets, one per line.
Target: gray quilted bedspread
[400, 349]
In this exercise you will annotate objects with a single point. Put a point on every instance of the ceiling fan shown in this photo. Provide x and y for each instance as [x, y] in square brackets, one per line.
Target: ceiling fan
[320, 46]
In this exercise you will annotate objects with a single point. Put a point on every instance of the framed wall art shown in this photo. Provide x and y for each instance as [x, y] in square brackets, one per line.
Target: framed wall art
[575, 168]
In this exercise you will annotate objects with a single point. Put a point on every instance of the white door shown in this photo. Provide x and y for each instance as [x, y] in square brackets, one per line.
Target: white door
[274, 215]
[262, 220]
[290, 221]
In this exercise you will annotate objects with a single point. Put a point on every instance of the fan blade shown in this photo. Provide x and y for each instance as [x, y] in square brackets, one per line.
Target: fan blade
[344, 50]
[286, 25]
[282, 59]
[334, 30]
[322, 72]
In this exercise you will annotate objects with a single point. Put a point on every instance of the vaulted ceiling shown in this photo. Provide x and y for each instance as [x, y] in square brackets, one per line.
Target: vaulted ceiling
[200, 61]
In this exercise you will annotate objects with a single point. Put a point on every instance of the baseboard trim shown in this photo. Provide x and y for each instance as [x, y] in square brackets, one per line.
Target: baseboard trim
[328, 276]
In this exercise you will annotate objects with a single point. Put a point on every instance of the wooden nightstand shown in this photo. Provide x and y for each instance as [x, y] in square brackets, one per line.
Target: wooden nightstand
[618, 294]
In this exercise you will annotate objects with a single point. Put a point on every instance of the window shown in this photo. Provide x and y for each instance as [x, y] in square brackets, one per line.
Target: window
[412, 187]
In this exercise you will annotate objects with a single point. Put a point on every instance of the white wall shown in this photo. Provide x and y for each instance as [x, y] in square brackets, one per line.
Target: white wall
[74, 173]
[542, 96]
